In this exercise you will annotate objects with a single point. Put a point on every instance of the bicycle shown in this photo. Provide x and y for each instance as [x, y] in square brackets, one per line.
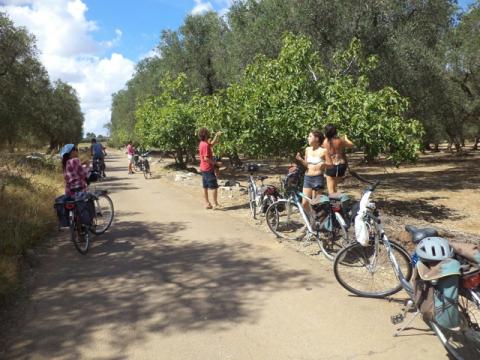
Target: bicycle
[142, 164]
[287, 218]
[98, 167]
[468, 304]
[374, 266]
[259, 197]
[87, 213]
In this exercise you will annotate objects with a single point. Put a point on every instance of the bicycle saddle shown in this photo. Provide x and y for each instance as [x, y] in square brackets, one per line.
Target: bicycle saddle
[420, 234]
[263, 177]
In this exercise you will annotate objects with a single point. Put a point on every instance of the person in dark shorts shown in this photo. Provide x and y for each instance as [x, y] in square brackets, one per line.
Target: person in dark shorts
[336, 149]
[316, 161]
[207, 168]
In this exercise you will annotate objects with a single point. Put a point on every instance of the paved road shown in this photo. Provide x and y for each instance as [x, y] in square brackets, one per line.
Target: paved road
[171, 280]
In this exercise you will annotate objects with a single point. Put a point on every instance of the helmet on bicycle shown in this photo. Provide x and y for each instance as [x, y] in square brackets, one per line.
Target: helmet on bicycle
[434, 249]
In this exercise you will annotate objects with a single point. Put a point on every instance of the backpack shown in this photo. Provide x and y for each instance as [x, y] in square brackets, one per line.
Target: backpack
[436, 292]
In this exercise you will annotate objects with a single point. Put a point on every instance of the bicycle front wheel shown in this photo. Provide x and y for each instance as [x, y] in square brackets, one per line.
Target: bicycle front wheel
[103, 214]
[285, 220]
[79, 235]
[367, 271]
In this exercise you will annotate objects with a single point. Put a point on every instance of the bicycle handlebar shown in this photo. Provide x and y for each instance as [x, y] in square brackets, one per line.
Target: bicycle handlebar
[373, 185]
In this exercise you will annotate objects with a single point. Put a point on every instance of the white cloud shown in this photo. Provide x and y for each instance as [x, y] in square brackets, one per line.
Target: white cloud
[201, 7]
[69, 52]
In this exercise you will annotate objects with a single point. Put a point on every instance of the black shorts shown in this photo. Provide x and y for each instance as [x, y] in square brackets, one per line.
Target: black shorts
[209, 180]
[337, 170]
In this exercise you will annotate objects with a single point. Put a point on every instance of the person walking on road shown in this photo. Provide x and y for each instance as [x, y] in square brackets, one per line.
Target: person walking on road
[335, 146]
[130, 154]
[207, 168]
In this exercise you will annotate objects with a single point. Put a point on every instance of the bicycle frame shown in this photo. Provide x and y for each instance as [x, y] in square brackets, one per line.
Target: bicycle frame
[365, 214]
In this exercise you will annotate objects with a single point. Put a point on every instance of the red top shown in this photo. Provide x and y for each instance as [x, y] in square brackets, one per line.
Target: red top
[205, 151]
[75, 176]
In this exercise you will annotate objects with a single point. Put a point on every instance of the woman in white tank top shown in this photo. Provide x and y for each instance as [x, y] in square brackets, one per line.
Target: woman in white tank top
[316, 160]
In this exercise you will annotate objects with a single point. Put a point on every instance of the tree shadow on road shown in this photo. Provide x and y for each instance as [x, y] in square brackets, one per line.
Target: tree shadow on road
[144, 278]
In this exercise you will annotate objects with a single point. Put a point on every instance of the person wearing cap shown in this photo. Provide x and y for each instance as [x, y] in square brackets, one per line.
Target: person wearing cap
[74, 173]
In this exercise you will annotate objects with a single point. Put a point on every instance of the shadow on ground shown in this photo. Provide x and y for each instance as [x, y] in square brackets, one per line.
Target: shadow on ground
[143, 278]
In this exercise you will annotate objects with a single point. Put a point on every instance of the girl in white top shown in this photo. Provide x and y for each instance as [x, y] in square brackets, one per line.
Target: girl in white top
[317, 159]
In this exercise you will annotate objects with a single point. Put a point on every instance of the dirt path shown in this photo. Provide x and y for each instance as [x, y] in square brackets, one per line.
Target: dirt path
[171, 280]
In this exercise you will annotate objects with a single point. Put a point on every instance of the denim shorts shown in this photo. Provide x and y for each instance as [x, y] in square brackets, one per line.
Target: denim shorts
[314, 182]
[209, 180]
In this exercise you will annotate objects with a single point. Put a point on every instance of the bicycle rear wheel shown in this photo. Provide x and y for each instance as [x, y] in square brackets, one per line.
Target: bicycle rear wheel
[251, 201]
[285, 220]
[79, 235]
[368, 272]
[332, 242]
[104, 213]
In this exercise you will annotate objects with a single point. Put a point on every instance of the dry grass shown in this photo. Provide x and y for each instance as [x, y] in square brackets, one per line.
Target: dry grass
[27, 191]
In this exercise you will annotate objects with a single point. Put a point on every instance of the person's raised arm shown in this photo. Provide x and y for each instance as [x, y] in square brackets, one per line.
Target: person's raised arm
[215, 138]
[346, 142]
[302, 160]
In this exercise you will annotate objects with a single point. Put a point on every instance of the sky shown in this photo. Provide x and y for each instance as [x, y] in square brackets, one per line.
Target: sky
[94, 44]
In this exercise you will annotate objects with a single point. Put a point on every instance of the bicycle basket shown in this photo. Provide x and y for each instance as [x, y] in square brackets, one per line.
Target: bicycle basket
[62, 213]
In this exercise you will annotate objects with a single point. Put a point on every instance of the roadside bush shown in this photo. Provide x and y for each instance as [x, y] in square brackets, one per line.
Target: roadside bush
[27, 189]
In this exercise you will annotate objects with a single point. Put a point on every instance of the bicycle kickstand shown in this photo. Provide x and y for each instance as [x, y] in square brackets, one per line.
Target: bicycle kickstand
[397, 319]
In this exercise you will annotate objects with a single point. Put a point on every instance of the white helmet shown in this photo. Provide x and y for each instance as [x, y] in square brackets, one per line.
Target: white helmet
[434, 249]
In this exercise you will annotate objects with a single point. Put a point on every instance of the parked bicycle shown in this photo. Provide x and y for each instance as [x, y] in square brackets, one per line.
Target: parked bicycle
[378, 267]
[259, 197]
[90, 212]
[327, 222]
[372, 270]
[142, 164]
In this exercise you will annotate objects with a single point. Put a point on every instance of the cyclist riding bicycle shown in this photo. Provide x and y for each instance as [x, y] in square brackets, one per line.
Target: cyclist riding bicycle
[97, 151]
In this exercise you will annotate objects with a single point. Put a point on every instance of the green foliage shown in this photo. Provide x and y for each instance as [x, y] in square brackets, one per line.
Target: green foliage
[166, 121]
[274, 107]
[31, 108]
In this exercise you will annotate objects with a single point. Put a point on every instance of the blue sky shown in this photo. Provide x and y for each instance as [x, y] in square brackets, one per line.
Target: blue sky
[95, 44]
[142, 21]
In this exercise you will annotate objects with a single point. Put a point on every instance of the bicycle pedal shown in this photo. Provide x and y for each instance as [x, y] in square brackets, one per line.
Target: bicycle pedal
[397, 319]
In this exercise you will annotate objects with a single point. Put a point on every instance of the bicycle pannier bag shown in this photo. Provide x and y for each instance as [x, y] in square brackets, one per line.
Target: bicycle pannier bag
[85, 208]
[62, 213]
[436, 292]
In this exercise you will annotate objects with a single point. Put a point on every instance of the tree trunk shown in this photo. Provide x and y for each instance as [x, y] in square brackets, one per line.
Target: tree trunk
[436, 147]
[179, 157]
[475, 145]
[234, 160]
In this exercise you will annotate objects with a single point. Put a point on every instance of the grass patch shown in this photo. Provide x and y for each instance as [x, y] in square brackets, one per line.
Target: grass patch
[28, 187]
